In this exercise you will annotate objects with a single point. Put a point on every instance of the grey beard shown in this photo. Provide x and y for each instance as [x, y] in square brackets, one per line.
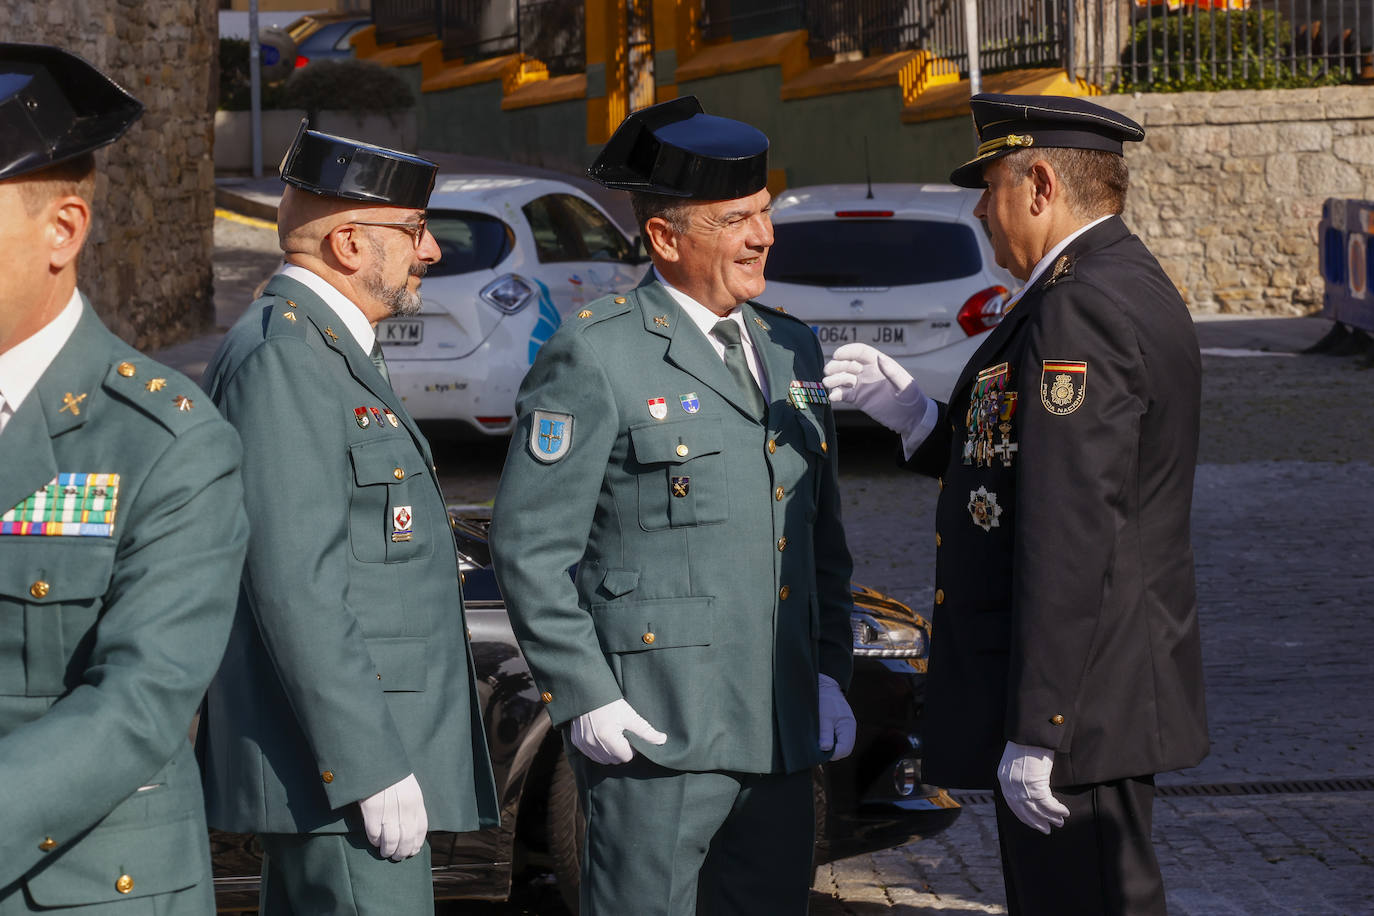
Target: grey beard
[399, 300]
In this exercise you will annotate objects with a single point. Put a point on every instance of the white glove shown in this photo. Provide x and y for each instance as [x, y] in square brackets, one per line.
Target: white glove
[1025, 777]
[876, 384]
[395, 819]
[837, 720]
[600, 734]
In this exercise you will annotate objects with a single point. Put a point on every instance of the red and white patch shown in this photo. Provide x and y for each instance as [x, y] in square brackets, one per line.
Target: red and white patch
[658, 408]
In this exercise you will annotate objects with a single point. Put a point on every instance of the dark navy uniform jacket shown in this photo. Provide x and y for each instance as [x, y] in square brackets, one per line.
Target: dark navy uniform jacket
[1065, 613]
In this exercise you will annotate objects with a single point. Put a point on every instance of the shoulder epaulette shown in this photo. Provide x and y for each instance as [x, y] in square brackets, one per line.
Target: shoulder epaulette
[281, 319]
[599, 310]
[780, 311]
[162, 393]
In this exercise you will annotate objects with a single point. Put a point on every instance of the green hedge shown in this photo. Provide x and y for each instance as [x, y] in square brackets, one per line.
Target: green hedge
[1176, 53]
[334, 85]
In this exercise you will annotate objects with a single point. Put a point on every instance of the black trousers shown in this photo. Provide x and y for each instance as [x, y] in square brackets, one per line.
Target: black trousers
[1100, 863]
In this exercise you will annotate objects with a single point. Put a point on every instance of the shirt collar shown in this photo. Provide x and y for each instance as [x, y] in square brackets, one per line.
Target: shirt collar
[22, 365]
[349, 314]
[701, 316]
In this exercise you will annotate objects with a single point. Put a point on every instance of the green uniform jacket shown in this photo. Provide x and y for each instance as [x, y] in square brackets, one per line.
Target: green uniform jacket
[107, 640]
[348, 666]
[713, 582]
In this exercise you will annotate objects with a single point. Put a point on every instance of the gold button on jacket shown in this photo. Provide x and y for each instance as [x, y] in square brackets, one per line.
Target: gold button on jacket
[124, 884]
[327, 776]
[939, 596]
[39, 589]
[782, 543]
[648, 639]
[546, 697]
[1056, 720]
[126, 369]
[784, 592]
[48, 844]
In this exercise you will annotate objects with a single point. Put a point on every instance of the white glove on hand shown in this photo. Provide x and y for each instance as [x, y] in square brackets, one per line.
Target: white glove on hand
[874, 382]
[837, 719]
[600, 734]
[395, 819]
[1025, 777]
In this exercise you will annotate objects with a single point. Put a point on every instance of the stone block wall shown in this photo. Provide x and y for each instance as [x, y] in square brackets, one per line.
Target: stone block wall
[1227, 188]
[146, 266]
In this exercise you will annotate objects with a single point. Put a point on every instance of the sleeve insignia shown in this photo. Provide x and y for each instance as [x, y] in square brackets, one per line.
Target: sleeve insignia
[1063, 384]
[550, 435]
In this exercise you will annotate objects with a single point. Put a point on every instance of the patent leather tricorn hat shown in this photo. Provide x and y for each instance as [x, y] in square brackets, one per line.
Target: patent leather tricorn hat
[55, 106]
[676, 149]
[1006, 123]
[352, 170]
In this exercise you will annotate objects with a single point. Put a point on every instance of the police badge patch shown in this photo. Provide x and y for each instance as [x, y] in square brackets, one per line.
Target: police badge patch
[550, 435]
[1063, 383]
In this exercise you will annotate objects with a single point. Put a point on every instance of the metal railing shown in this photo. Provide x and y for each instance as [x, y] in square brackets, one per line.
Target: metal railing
[1120, 45]
[550, 31]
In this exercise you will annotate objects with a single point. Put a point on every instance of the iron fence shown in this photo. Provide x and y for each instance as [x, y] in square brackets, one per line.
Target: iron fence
[550, 31]
[1119, 45]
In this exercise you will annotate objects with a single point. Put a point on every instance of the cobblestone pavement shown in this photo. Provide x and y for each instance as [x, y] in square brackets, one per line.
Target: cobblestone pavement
[1283, 542]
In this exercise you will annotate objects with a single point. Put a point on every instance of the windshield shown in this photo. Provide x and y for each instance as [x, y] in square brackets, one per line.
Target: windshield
[871, 252]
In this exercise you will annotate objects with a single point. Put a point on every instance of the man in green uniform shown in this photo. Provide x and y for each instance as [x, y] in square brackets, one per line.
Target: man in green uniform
[121, 537]
[676, 445]
[1065, 661]
[344, 721]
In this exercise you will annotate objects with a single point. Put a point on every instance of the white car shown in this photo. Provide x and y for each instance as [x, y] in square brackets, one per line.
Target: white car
[519, 255]
[906, 268]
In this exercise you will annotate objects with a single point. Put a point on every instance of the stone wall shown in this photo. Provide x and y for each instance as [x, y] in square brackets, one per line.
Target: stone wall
[146, 266]
[1227, 188]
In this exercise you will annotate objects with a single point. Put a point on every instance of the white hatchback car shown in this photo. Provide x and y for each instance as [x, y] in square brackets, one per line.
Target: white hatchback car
[907, 269]
[518, 256]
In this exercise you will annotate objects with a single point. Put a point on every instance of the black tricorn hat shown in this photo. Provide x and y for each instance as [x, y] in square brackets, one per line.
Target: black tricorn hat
[338, 167]
[675, 148]
[1006, 123]
[55, 106]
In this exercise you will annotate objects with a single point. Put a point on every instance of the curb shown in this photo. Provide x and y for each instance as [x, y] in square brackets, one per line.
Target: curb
[245, 203]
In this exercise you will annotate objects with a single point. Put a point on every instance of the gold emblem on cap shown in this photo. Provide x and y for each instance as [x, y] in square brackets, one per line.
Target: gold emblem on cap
[332, 335]
[585, 313]
[126, 369]
[156, 384]
[661, 320]
[73, 403]
[1001, 143]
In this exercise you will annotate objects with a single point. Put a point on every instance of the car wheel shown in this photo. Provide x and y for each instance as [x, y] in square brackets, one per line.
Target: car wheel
[567, 828]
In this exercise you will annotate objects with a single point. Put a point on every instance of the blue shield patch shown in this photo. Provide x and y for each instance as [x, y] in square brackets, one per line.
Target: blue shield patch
[690, 402]
[550, 435]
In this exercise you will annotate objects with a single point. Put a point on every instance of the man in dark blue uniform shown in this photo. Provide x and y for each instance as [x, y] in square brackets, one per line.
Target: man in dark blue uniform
[1065, 661]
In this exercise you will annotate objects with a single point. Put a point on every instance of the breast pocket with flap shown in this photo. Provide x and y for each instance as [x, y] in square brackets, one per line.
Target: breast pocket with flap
[681, 474]
[387, 522]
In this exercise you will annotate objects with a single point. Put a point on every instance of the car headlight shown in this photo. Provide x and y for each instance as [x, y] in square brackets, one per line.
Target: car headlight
[509, 293]
[885, 639]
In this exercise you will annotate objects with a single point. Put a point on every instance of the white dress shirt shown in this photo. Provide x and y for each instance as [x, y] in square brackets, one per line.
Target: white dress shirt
[705, 319]
[22, 365]
[917, 434]
[350, 316]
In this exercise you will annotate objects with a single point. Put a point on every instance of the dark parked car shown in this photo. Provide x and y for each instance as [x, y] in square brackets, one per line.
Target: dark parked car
[873, 799]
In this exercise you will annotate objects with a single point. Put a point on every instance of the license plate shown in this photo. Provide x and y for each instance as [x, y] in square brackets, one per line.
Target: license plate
[836, 334]
[402, 332]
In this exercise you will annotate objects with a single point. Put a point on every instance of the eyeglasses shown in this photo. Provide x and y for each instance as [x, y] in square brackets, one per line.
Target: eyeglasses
[415, 230]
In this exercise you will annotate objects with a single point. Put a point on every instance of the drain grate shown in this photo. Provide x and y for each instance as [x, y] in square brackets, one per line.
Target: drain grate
[1192, 790]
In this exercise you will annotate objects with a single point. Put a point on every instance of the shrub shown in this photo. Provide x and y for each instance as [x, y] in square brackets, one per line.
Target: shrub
[235, 90]
[346, 85]
[1178, 53]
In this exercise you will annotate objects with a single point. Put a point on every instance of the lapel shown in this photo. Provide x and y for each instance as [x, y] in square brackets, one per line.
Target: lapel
[778, 359]
[688, 348]
[1106, 233]
[27, 443]
[339, 339]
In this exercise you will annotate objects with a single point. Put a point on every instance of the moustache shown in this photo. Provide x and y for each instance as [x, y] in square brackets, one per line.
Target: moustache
[419, 269]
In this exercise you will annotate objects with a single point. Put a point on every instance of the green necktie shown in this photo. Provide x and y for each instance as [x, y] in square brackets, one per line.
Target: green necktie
[727, 332]
[380, 361]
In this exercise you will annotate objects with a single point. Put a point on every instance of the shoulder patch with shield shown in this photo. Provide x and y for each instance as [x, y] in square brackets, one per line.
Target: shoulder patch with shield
[1063, 384]
[550, 435]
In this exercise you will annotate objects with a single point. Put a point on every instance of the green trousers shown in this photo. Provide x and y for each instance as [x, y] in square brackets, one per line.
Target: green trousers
[332, 874]
[664, 842]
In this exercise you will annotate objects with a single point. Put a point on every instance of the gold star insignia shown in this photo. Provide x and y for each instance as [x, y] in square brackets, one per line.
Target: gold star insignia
[661, 320]
[332, 335]
[289, 316]
[72, 403]
[183, 403]
[585, 313]
[156, 384]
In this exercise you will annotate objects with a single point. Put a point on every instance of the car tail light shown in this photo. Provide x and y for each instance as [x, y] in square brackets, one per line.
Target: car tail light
[508, 294]
[983, 310]
[862, 214]
[301, 61]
